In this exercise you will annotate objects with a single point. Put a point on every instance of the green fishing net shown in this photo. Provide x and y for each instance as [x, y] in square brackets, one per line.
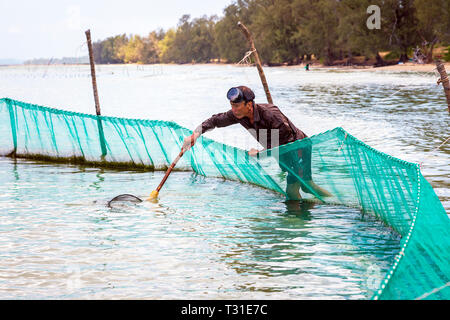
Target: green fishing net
[355, 174]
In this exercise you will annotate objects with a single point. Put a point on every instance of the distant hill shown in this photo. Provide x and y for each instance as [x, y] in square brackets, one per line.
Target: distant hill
[10, 61]
[65, 60]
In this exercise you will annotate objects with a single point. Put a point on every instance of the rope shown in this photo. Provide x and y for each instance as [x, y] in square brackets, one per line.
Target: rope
[392, 94]
[342, 145]
[435, 149]
[444, 79]
[438, 81]
[246, 58]
[381, 100]
[246, 61]
[425, 295]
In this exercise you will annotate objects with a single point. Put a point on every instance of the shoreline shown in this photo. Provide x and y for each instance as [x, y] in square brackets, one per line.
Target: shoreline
[405, 67]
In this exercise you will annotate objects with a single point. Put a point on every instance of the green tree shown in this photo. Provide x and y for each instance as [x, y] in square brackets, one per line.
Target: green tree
[107, 51]
[151, 48]
[231, 43]
[130, 53]
[192, 41]
[317, 27]
[165, 46]
[203, 47]
[354, 37]
[433, 17]
[274, 25]
[399, 25]
[287, 30]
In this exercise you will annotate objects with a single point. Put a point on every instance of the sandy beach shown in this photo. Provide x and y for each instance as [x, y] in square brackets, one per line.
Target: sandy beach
[413, 67]
[406, 67]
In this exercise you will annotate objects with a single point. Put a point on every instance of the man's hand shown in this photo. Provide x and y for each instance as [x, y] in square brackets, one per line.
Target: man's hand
[190, 141]
[253, 152]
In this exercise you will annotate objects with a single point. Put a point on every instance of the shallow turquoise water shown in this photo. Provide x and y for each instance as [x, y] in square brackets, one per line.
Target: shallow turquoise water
[403, 114]
[205, 239]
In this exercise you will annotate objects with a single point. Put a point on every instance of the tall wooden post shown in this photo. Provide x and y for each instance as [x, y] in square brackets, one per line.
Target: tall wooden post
[257, 60]
[444, 80]
[94, 86]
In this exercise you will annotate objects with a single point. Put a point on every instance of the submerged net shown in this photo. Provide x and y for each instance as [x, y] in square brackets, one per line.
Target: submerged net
[357, 175]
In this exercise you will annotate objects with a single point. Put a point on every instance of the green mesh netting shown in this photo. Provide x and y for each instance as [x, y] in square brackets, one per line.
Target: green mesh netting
[356, 174]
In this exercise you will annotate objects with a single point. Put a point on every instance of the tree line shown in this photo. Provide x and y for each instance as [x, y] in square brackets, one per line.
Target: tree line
[291, 32]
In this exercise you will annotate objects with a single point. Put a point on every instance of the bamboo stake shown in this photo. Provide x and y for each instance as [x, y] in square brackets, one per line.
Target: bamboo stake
[94, 87]
[257, 59]
[444, 80]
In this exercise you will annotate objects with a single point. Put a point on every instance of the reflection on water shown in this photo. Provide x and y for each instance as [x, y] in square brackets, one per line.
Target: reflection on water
[100, 179]
[204, 238]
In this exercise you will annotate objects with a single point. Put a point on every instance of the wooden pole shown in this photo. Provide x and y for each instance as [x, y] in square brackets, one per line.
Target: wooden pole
[444, 80]
[94, 80]
[94, 86]
[257, 59]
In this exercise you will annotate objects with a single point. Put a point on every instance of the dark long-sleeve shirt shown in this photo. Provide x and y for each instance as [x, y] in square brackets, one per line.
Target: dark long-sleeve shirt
[268, 122]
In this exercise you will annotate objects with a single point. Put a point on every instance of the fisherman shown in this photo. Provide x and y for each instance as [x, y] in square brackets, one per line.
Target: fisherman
[256, 116]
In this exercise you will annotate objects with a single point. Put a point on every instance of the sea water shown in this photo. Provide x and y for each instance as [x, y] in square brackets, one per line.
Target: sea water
[207, 238]
[203, 239]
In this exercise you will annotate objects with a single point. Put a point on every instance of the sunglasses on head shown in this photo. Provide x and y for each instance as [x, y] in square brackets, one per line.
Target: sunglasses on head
[235, 95]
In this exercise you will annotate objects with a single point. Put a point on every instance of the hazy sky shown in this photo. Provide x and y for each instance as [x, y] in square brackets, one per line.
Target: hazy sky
[46, 28]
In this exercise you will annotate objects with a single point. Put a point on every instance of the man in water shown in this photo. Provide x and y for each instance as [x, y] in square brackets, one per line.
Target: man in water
[256, 116]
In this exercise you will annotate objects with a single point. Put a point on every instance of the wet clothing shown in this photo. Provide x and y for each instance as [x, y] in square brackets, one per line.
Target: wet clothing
[266, 118]
[299, 162]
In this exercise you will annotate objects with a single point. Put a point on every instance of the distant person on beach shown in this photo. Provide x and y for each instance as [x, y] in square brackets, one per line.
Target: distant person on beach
[256, 116]
[307, 67]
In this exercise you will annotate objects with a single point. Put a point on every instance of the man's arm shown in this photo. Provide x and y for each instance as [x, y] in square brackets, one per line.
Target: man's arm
[218, 120]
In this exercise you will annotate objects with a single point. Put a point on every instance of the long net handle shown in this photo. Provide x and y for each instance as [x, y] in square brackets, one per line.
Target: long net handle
[174, 163]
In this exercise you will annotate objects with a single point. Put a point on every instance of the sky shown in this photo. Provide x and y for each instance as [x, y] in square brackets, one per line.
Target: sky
[55, 29]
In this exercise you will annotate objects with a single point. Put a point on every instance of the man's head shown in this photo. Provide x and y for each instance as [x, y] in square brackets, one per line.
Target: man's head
[241, 100]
